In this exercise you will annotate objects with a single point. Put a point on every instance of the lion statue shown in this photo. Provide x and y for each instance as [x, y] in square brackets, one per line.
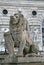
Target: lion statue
[18, 37]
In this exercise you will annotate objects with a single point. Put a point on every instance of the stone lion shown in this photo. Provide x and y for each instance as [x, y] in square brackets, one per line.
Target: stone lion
[18, 36]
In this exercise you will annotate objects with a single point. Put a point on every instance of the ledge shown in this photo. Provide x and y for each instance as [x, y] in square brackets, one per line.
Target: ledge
[30, 59]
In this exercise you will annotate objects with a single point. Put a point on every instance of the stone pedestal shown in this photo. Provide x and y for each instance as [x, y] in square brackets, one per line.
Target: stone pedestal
[31, 60]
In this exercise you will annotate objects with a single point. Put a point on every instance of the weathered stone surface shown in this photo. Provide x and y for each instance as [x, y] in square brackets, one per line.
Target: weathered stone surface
[18, 37]
[10, 46]
[17, 25]
[30, 46]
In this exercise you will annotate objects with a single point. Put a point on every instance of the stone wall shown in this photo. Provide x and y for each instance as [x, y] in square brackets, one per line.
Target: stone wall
[26, 8]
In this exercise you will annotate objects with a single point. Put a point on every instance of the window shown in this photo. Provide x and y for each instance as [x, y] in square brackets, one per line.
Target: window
[43, 32]
[5, 11]
[34, 12]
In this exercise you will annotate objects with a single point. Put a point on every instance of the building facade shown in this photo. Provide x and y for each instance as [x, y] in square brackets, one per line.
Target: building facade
[33, 12]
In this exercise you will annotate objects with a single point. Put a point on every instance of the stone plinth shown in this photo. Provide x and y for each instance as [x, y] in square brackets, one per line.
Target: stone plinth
[31, 60]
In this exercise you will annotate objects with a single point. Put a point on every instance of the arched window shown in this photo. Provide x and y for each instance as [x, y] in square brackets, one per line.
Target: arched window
[43, 33]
